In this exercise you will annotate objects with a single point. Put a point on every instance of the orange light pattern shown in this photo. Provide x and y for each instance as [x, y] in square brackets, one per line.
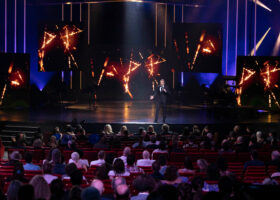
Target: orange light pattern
[151, 62]
[247, 74]
[198, 49]
[48, 38]
[67, 35]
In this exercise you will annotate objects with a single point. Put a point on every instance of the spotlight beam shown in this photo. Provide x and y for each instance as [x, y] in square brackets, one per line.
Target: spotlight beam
[276, 46]
[259, 3]
[260, 42]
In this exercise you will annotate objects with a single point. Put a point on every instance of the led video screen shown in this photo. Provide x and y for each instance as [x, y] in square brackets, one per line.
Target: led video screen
[197, 47]
[14, 80]
[120, 74]
[61, 47]
[258, 81]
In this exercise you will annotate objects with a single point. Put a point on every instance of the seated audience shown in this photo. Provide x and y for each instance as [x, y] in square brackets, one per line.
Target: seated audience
[144, 184]
[98, 184]
[122, 192]
[13, 190]
[57, 190]
[58, 166]
[254, 160]
[57, 134]
[47, 170]
[275, 158]
[223, 167]
[153, 144]
[29, 165]
[108, 130]
[188, 166]
[202, 165]
[18, 174]
[75, 158]
[118, 169]
[211, 182]
[164, 192]
[131, 166]
[101, 144]
[156, 174]
[101, 159]
[146, 161]
[165, 130]
[75, 193]
[90, 193]
[151, 130]
[41, 187]
[163, 164]
[14, 159]
[76, 178]
[126, 152]
[161, 148]
[26, 191]
[171, 176]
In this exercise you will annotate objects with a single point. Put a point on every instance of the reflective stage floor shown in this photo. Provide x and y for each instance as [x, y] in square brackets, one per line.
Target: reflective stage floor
[141, 112]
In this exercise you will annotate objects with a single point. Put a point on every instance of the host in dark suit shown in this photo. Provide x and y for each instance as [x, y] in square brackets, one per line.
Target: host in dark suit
[160, 96]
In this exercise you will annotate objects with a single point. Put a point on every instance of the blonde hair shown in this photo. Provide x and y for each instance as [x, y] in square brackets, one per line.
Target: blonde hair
[108, 129]
[41, 187]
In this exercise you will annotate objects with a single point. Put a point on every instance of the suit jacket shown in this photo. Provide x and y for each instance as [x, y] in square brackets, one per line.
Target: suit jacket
[161, 96]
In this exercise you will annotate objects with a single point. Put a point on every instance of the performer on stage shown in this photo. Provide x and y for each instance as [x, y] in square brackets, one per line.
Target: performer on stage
[160, 96]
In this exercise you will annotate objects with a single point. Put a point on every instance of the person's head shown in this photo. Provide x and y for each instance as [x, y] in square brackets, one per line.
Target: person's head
[144, 183]
[123, 128]
[38, 143]
[146, 154]
[275, 155]
[126, 151]
[13, 190]
[15, 155]
[222, 164]
[119, 166]
[197, 183]
[118, 181]
[254, 155]
[165, 128]
[102, 172]
[90, 193]
[28, 157]
[171, 173]
[101, 155]
[41, 187]
[76, 193]
[130, 160]
[57, 188]
[236, 128]
[47, 167]
[185, 191]
[75, 156]
[76, 177]
[70, 168]
[122, 192]
[162, 160]
[188, 163]
[156, 166]
[98, 184]
[108, 129]
[56, 129]
[239, 140]
[164, 192]
[141, 131]
[25, 192]
[56, 156]
[151, 129]
[162, 145]
[213, 172]
[153, 139]
[162, 82]
[202, 164]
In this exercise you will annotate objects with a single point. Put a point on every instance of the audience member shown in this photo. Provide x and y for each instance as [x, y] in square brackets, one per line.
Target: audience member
[13, 190]
[101, 159]
[47, 170]
[41, 187]
[188, 166]
[144, 184]
[90, 193]
[131, 166]
[118, 169]
[254, 160]
[25, 192]
[29, 165]
[146, 161]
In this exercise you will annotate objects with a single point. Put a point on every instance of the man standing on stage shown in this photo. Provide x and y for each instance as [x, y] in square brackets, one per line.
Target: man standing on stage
[160, 97]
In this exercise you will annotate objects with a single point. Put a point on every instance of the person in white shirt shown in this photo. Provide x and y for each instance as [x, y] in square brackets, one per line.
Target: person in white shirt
[82, 161]
[161, 148]
[126, 152]
[101, 159]
[146, 161]
[118, 169]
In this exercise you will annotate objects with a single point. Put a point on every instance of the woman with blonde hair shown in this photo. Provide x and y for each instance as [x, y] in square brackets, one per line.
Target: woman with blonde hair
[108, 130]
[202, 165]
[41, 187]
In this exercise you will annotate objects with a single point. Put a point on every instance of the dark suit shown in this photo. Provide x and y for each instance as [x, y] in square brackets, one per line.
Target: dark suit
[160, 97]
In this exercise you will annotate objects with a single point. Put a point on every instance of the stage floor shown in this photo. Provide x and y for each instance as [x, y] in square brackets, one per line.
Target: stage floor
[141, 112]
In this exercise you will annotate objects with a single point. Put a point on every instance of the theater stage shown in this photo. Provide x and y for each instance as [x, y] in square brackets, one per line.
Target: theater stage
[140, 112]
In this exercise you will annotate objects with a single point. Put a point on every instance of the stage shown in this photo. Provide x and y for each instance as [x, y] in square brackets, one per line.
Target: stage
[141, 112]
